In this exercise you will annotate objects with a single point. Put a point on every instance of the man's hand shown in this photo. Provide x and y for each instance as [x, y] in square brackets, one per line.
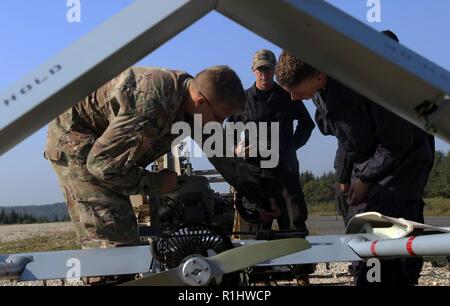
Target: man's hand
[268, 216]
[168, 179]
[245, 152]
[343, 187]
[358, 192]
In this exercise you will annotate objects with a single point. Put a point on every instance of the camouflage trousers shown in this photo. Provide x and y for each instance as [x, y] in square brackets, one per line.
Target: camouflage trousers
[102, 218]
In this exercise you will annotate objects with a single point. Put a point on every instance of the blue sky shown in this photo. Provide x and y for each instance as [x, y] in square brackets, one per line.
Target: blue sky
[34, 30]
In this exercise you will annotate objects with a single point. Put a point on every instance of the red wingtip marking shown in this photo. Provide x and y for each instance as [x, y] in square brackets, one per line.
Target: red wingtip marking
[372, 248]
[409, 247]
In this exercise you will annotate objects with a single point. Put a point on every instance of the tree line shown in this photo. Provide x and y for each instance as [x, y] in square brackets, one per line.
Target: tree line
[12, 217]
[322, 189]
[317, 190]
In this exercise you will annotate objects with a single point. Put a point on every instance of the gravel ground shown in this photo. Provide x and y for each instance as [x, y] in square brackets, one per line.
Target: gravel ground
[336, 274]
[23, 231]
[332, 274]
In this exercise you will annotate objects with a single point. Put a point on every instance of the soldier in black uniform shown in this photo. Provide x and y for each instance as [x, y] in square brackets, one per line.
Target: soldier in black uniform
[268, 102]
[382, 162]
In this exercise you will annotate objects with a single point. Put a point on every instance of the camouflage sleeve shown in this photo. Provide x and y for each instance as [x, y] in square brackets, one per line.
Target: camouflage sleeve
[113, 157]
[147, 99]
[135, 130]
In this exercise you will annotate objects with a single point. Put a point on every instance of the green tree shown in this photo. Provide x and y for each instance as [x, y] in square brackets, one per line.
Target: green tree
[319, 190]
[445, 177]
[438, 184]
[306, 177]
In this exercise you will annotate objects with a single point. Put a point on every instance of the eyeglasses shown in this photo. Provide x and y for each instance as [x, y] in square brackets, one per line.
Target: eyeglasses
[218, 118]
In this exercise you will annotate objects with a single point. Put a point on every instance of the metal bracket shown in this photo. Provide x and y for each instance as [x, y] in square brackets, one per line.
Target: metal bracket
[427, 108]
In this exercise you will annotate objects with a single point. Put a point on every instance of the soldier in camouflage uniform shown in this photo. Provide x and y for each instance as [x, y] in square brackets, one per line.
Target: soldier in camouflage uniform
[100, 147]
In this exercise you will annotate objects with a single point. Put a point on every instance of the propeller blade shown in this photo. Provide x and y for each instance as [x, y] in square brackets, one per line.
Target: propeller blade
[229, 261]
[165, 278]
[250, 255]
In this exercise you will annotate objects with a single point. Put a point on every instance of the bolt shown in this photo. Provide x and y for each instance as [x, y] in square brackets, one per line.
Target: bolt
[199, 282]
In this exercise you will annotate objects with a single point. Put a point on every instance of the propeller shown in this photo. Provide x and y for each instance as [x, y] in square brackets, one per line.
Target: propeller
[199, 270]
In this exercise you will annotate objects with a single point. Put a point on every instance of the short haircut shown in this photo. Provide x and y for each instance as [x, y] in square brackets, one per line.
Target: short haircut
[291, 70]
[222, 84]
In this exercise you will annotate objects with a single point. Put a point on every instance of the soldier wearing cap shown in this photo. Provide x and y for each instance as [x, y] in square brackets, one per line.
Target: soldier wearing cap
[268, 102]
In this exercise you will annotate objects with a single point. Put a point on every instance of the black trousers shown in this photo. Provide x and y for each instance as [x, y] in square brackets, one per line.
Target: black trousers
[290, 177]
[399, 196]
